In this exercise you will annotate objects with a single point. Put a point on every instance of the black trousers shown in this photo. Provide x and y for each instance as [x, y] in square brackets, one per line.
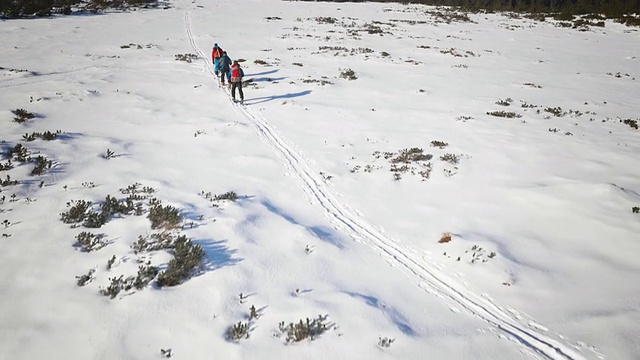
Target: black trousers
[237, 85]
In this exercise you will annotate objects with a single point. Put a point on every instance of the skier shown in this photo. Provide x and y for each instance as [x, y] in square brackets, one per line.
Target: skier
[224, 66]
[236, 81]
[216, 53]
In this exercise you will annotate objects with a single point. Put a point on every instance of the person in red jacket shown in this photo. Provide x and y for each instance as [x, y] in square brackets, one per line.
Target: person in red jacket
[216, 53]
[236, 81]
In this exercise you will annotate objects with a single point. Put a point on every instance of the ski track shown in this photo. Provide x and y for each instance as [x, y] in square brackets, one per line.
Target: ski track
[430, 279]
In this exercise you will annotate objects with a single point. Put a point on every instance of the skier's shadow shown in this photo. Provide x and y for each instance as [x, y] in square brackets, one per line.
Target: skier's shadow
[268, 72]
[262, 99]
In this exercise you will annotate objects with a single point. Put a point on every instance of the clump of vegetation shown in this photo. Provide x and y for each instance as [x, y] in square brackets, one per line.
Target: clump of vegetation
[164, 217]
[385, 342]
[7, 182]
[504, 114]
[42, 163]
[260, 62]
[153, 242]
[117, 285]
[76, 213]
[187, 257]
[238, 331]
[555, 111]
[85, 278]
[229, 195]
[47, 135]
[505, 102]
[408, 156]
[449, 16]
[348, 74]
[322, 82]
[632, 123]
[90, 242]
[22, 115]
[326, 20]
[452, 159]
[186, 57]
[304, 329]
[146, 273]
[19, 153]
[439, 144]
[635, 210]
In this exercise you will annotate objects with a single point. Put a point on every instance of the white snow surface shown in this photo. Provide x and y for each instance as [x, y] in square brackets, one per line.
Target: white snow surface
[550, 195]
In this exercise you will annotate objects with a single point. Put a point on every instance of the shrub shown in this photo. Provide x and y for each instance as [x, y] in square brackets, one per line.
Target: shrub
[22, 115]
[41, 164]
[326, 20]
[439, 144]
[635, 210]
[76, 213]
[19, 153]
[348, 74]
[504, 114]
[47, 135]
[186, 57]
[187, 257]
[450, 158]
[556, 111]
[85, 278]
[410, 155]
[229, 195]
[153, 242]
[95, 219]
[505, 102]
[117, 284]
[385, 342]
[164, 217]
[238, 331]
[307, 329]
[146, 273]
[90, 242]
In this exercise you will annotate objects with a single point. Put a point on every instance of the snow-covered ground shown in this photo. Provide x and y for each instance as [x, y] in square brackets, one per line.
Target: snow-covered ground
[542, 261]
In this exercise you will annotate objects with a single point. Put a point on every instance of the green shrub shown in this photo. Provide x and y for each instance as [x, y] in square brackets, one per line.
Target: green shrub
[348, 74]
[238, 331]
[76, 213]
[504, 114]
[187, 257]
[164, 217]
[307, 329]
[90, 242]
[22, 115]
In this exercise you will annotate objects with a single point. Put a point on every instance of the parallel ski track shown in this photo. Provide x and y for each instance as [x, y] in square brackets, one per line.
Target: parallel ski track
[437, 282]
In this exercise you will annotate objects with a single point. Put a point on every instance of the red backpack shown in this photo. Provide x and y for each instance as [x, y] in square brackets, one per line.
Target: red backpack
[236, 74]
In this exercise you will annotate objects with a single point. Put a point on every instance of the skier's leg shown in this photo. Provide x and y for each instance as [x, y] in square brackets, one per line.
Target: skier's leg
[233, 90]
[240, 90]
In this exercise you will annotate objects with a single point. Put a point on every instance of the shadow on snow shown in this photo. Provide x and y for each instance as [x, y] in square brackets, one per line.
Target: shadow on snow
[217, 254]
[394, 315]
[323, 233]
[262, 99]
